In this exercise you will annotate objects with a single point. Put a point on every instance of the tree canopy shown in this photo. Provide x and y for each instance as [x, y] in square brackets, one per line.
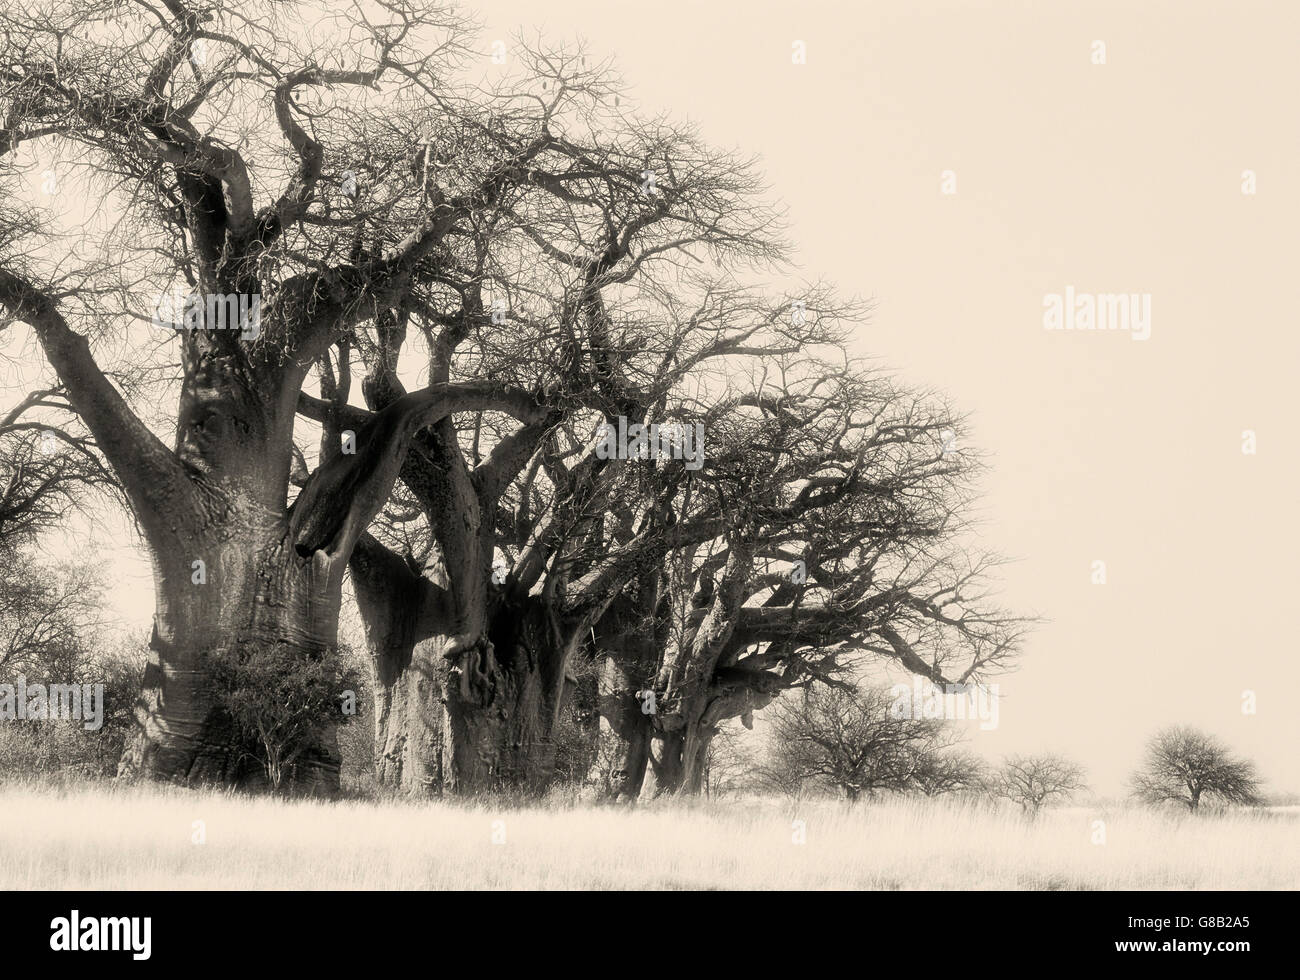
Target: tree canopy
[451, 286]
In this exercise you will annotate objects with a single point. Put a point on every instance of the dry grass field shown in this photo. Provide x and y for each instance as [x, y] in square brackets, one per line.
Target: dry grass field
[109, 837]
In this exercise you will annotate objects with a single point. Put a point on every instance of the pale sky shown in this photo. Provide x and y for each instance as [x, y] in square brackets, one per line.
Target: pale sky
[1118, 177]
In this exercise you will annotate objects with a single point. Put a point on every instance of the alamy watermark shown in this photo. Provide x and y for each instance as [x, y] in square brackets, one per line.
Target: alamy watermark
[1098, 311]
[923, 699]
[53, 702]
[75, 933]
[180, 310]
[654, 441]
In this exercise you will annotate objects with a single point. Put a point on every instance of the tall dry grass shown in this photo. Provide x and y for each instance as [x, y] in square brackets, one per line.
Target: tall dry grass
[123, 837]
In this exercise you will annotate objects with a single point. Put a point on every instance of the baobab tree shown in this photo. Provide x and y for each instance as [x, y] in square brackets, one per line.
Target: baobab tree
[842, 503]
[507, 265]
[566, 286]
[559, 533]
[238, 163]
[1185, 766]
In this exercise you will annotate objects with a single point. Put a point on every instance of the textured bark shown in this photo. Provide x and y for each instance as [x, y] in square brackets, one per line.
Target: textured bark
[623, 712]
[683, 736]
[628, 647]
[404, 614]
[273, 575]
[408, 721]
[503, 697]
[678, 759]
[453, 713]
[256, 592]
[685, 677]
[256, 585]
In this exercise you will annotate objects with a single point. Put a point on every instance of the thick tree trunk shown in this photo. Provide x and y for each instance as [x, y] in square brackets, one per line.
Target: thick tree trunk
[241, 594]
[684, 734]
[453, 719]
[634, 762]
[409, 720]
[630, 725]
[694, 701]
[697, 760]
[503, 697]
[405, 616]
[679, 757]
[667, 764]
[628, 644]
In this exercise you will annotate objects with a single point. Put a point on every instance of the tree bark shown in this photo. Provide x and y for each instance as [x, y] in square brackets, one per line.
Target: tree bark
[404, 615]
[627, 720]
[457, 711]
[679, 759]
[502, 698]
[257, 591]
[628, 645]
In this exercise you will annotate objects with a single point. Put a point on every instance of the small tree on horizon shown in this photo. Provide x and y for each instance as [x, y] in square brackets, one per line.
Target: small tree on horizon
[936, 773]
[1032, 781]
[847, 737]
[1184, 765]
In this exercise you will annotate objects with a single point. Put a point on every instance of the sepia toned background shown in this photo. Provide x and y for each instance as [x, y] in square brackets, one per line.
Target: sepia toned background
[1122, 177]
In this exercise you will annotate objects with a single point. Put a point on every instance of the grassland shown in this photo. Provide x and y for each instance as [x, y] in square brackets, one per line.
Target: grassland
[125, 837]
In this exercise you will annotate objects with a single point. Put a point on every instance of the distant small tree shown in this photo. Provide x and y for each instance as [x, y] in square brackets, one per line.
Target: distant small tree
[278, 703]
[777, 775]
[937, 773]
[1031, 781]
[849, 738]
[728, 765]
[1184, 765]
